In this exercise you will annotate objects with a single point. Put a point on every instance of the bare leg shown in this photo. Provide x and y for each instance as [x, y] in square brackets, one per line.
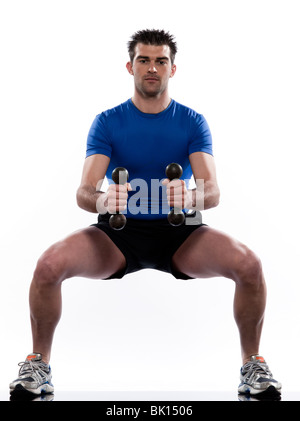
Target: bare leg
[209, 253]
[87, 253]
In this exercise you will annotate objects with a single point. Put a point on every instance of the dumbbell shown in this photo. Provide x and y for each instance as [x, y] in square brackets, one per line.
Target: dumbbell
[175, 216]
[119, 176]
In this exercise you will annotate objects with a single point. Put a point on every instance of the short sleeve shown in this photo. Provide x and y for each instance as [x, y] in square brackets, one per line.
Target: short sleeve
[201, 139]
[98, 141]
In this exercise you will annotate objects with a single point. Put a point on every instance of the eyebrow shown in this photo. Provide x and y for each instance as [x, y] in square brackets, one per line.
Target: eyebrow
[147, 58]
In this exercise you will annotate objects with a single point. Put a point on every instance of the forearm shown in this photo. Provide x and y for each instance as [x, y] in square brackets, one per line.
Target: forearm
[205, 196]
[89, 199]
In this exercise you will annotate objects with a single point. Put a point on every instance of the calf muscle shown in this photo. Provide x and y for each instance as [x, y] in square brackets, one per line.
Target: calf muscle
[208, 253]
[87, 253]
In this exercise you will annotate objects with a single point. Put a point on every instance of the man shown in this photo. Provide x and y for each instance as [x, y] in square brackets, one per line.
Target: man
[144, 134]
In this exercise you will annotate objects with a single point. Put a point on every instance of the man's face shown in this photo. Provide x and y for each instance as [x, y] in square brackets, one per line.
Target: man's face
[151, 69]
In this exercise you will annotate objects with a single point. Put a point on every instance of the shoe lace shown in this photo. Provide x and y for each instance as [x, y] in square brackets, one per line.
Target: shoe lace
[38, 370]
[252, 368]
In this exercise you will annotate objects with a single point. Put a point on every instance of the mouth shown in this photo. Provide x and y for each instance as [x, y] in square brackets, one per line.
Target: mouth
[152, 79]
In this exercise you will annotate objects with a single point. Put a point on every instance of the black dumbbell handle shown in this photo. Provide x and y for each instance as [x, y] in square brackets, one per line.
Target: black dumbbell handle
[118, 220]
[175, 216]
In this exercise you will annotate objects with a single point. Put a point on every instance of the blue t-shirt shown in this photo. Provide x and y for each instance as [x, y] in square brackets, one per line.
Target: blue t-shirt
[145, 144]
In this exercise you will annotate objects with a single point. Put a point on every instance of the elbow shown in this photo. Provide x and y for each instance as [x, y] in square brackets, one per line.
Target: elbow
[79, 197]
[214, 200]
[217, 198]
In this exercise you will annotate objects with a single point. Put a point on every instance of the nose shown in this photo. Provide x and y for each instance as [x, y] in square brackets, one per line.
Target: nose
[152, 68]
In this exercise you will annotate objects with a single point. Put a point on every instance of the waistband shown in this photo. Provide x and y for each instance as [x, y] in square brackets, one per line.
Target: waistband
[191, 218]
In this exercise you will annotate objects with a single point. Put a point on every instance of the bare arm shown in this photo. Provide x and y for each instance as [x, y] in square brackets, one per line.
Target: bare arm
[89, 194]
[93, 174]
[204, 171]
[206, 194]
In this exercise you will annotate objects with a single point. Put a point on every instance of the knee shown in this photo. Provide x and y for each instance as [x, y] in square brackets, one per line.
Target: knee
[248, 269]
[49, 269]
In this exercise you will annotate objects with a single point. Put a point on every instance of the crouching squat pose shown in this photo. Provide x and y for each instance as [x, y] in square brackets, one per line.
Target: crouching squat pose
[144, 135]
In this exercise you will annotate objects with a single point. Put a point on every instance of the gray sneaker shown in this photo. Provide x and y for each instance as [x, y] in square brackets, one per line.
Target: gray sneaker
[257, 378]
[34, 376]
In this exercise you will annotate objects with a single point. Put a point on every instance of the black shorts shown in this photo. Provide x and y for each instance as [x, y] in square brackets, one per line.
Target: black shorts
[150, 244]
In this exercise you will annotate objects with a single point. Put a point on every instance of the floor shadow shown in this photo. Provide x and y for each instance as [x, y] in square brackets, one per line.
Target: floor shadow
[25, 396]
[264, 396]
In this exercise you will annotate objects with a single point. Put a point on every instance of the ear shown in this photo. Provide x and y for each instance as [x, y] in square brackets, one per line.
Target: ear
[173, 70]
[129, 67]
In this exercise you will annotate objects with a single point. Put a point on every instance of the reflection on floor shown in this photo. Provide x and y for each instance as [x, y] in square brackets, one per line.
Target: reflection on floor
[149, 396]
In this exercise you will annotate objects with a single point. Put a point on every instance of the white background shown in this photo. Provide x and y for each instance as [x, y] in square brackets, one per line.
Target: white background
[63, 62]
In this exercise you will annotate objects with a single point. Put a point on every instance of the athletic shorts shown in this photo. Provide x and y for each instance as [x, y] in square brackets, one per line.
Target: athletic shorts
[150, 244]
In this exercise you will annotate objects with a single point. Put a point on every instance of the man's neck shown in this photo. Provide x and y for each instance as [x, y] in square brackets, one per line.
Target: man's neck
[151, 105]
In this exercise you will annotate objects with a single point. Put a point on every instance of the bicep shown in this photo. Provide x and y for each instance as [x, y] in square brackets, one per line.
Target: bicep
[94, 170]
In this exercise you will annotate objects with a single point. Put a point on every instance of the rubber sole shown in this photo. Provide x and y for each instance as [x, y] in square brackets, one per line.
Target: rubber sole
[271, 391]
[45, 389]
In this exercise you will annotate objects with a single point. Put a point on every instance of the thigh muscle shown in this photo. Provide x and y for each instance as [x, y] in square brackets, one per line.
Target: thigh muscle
[88, 253]
[208, 252]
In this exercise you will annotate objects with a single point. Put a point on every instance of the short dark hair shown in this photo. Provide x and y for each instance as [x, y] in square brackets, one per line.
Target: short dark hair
[152, 37]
